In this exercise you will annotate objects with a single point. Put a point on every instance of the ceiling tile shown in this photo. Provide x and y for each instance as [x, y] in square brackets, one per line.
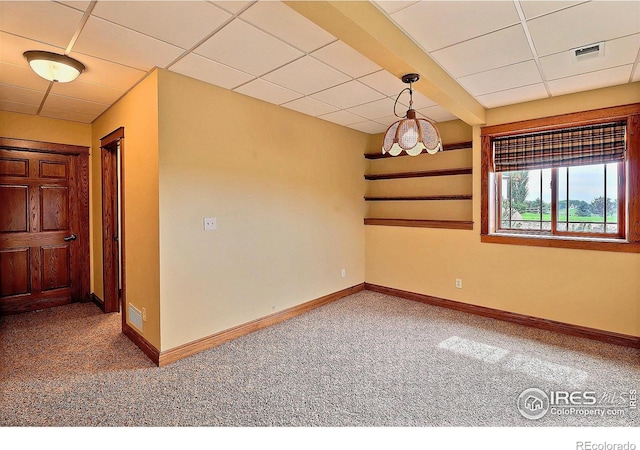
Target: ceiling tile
[80, 5]
[119, 44]
[233, 7]
[438, 24]
[244, 47]
[306, 75]
[591, 80]
[384, 82]
[584, 24]
[204, 69]
[616, 53]
[310, 106]
[279, 20]
[88, 91]
[107, 73]
[636, 75]
[535, 8]
[374, 110]
[60, 102]
[12, 48]
[268, 92]
[168, 19]
[503, 78]
[504, 47]
[67, 115]
[22, 77]
[436, 114]
[392, 6]
[342, 57]
[47, 22]
[6, 105]
[347, 95]
[512, 96]
[21, 95]
[419, 99]
[369, 126]
[342, 118]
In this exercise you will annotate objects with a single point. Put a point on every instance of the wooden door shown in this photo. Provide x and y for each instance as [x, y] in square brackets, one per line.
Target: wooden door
[43, 226]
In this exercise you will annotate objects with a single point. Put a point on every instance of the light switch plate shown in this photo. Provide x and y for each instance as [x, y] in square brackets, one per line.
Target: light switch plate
[210, 223]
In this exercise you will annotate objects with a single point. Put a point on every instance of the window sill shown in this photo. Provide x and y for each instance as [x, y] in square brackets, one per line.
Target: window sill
[609, 245]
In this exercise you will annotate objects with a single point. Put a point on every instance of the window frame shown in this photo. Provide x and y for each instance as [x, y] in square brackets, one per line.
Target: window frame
[628, 237]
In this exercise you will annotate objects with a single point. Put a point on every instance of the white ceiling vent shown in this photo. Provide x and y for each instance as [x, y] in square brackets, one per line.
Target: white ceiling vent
[588, 51]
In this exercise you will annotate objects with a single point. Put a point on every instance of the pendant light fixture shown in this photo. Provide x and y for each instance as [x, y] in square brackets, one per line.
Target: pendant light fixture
[411, 134]
[54, 67]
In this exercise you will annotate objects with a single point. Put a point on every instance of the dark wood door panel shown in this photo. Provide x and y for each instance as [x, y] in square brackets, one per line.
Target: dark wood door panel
[43, 228]
[15, 208]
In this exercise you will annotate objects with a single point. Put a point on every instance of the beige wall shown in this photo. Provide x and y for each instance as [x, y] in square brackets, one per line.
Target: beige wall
[137, 112]
[287, 191]
[36, 128]
[588, 288]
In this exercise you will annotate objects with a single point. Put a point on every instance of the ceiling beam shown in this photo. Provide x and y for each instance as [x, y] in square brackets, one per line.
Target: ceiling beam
[366, 29]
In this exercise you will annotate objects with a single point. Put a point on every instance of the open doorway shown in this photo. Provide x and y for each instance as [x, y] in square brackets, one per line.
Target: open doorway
[113, 255]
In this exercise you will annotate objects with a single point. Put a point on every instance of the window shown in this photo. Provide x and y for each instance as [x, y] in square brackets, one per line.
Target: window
[557, 182]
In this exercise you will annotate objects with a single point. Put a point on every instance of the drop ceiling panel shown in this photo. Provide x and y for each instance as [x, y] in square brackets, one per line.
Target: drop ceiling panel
[537, 8]
[246, 48]
[374, 110]
[80, 5]
[12, 48]
[498, 49]
[369, 127]
[437, 114]
[64, 114]
[169, 19]
[342, 57]
[204, 69]
[511, 96]
[48, 22]
[6, 105]
[591, 80]
[88, 91]
[584, 24]
[115, 43]
[342, 118]
[21, 95]
[384, 82]
[233, 7]
[281, 21]
[503, 78]
[60, 102]
[636, 74]
[393, 6]
[347, 95]
[438, 24]
[307, 75]
[21, 76]
[310, 106]
[617, 52]
[107, 73]
[269, 92]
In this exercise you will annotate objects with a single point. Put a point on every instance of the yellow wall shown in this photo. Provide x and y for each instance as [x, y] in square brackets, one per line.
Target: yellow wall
[287, 191]
[588, 288]
[36, 128]
[137, 112]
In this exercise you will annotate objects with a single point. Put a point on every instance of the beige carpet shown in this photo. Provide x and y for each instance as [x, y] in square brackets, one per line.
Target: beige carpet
[366, 360]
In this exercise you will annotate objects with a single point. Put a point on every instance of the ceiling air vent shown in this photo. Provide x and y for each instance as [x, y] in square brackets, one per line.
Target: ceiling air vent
[588, 51]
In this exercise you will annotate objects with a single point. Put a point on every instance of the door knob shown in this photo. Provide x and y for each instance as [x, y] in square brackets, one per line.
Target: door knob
[73, 237]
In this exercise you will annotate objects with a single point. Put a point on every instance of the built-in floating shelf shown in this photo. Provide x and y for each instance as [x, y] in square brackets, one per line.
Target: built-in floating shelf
[419, 198]
[445, 147]
[427, 173]
[421, 223]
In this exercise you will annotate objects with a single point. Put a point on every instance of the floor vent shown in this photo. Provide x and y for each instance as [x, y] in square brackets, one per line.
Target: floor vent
[135, 317]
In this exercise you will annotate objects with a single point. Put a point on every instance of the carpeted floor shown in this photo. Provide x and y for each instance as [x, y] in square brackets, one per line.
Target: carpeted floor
[366, 360]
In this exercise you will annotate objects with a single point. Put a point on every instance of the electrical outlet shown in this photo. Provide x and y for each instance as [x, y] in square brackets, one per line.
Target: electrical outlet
[144, 314]
[210, 223]
[273, 308]
[459, 283]
[343, 273]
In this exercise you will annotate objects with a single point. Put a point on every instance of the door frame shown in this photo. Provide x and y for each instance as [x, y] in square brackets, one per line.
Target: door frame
[80, 191]
[113, 243]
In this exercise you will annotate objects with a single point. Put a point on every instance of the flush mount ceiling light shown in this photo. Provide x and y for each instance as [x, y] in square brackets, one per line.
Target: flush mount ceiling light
[54, 67]
[411, 134]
